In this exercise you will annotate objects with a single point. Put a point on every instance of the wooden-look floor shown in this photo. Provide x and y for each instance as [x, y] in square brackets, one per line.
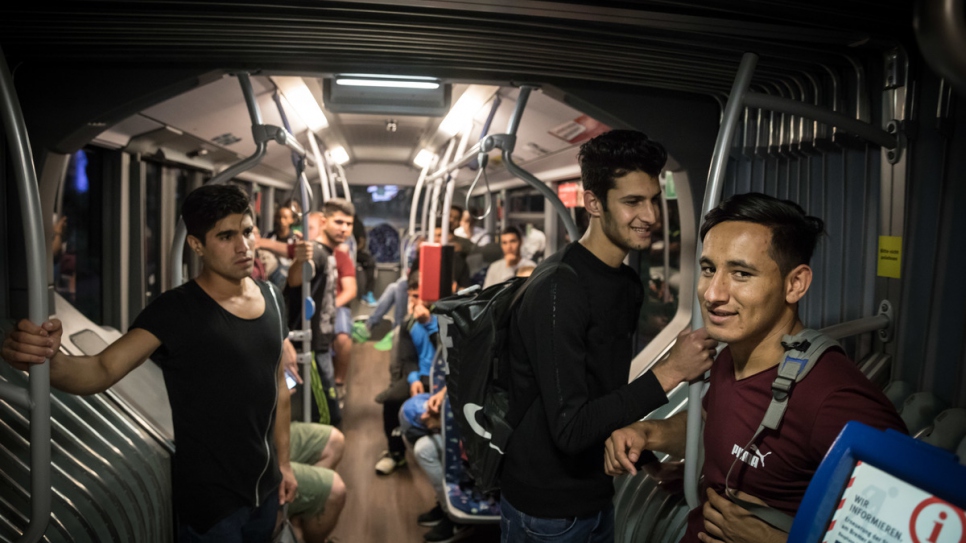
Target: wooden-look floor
[380, 509]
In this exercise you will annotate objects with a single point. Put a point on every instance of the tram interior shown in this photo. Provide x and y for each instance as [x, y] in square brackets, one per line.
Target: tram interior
[119, 137]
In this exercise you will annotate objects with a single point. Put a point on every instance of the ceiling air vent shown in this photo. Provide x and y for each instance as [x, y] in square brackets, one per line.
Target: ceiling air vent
[226, 139]
[386, 95]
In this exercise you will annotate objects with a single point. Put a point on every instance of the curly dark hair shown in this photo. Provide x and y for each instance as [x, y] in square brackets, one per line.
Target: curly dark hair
[614, 154]
[208, 204]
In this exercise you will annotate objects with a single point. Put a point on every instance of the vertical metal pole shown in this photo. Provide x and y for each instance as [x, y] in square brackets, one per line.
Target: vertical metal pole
[437, 187]
[712, 195]
[415, 205]
[322, 166]
[33, 225]
[306, 293]
[451, 186]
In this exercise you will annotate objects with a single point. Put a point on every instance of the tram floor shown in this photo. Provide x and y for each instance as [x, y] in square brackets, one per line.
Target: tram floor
[380, 509]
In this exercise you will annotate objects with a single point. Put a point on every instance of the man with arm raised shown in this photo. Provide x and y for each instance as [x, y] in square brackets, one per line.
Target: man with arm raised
[219, 341]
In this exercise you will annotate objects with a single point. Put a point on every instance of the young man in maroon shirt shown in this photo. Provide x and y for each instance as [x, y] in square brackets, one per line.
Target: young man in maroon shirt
[754, 271]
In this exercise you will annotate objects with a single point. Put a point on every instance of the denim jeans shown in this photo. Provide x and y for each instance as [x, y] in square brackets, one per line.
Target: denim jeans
[518, 527]
[396, 296]
[245, 525]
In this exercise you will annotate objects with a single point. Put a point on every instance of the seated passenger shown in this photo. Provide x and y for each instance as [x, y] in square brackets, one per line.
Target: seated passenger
[505, 268]
[410, 364]
[315, 451]
[395, 295]
[754, 272]
[470, 231]
[421, 418]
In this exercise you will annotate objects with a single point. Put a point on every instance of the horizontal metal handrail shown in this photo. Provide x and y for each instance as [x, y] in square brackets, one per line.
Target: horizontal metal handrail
[463, 160]
[865, 130]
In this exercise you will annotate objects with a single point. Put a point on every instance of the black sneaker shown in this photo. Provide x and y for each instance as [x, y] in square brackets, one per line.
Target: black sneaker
[431, 517]
[447, 531]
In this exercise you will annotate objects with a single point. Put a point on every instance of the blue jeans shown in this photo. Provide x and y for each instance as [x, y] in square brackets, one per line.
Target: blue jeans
[519, 527]
[245, 525]
[396, 295]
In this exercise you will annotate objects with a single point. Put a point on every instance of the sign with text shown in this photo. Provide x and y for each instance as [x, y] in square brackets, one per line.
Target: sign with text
[571, 194]
[877, 507]
[890, 257]
[579, 130]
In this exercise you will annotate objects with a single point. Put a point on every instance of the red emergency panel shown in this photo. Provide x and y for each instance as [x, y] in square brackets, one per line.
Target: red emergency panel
[435, 271]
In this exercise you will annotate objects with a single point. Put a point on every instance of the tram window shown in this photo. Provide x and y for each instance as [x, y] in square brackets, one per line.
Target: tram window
[524, 200]
[77, 243]
[378, 204]
[152, 231]
[661, 284]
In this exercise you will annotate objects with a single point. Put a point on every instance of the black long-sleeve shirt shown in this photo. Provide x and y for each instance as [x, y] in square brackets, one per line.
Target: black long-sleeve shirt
[571, 347]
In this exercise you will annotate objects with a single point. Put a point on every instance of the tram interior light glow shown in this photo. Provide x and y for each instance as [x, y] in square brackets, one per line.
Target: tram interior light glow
[461, 114]
[300, 97]
[387, 83]
[339, 154]
[382, 193]
[424, 158]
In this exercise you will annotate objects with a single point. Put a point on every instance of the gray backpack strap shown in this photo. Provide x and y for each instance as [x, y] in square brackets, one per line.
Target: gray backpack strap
[802, 351]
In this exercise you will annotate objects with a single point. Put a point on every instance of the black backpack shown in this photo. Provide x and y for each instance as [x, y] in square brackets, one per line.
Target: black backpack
[474, 332]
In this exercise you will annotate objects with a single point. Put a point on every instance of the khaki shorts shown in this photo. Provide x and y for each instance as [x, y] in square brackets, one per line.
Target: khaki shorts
[307, 440]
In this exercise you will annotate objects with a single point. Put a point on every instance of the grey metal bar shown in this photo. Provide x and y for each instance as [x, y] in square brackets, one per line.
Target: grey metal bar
[181, 232]
[865, 130]
[858, 326]
[38, 311]
[712, 195]
[306, 293]
[463, 159]
[415, 205]
[507, 142]
[345, 182]
[941, 33]
[321, 165]
[450, 188]
[266, 132]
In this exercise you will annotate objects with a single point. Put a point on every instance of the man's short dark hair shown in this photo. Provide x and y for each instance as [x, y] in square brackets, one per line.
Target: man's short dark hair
[332, 205]
[617, 153]
[457, 208]
[208, 204]
[512, 230]
[794, 234]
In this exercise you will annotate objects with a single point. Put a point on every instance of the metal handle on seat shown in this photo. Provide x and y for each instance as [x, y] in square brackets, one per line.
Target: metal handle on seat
[38, 400]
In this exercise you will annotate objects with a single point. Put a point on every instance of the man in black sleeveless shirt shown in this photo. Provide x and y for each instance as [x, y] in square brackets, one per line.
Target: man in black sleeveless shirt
[571, 345]
[219, 341]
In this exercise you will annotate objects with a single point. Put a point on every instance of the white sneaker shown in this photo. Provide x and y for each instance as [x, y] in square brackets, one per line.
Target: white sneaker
[387, 464]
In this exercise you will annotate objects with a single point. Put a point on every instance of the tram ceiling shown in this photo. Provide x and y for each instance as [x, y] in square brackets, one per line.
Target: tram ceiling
[671, 44]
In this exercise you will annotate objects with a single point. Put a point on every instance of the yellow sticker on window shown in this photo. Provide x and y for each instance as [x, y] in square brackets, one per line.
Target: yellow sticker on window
[890, 256]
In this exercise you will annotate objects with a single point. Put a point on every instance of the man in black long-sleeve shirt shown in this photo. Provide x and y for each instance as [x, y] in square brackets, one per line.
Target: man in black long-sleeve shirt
[571, 349]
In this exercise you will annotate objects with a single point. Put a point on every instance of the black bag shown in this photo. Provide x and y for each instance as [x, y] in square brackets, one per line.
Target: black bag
[474, 332]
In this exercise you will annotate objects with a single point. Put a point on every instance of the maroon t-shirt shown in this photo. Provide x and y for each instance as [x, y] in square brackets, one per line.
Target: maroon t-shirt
[782, 464]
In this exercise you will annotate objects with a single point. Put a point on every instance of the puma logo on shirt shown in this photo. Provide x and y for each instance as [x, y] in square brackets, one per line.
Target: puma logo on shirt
[753, 456]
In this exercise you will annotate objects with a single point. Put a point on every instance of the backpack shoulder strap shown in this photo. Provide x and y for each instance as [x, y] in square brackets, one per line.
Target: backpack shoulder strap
[802, 351]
